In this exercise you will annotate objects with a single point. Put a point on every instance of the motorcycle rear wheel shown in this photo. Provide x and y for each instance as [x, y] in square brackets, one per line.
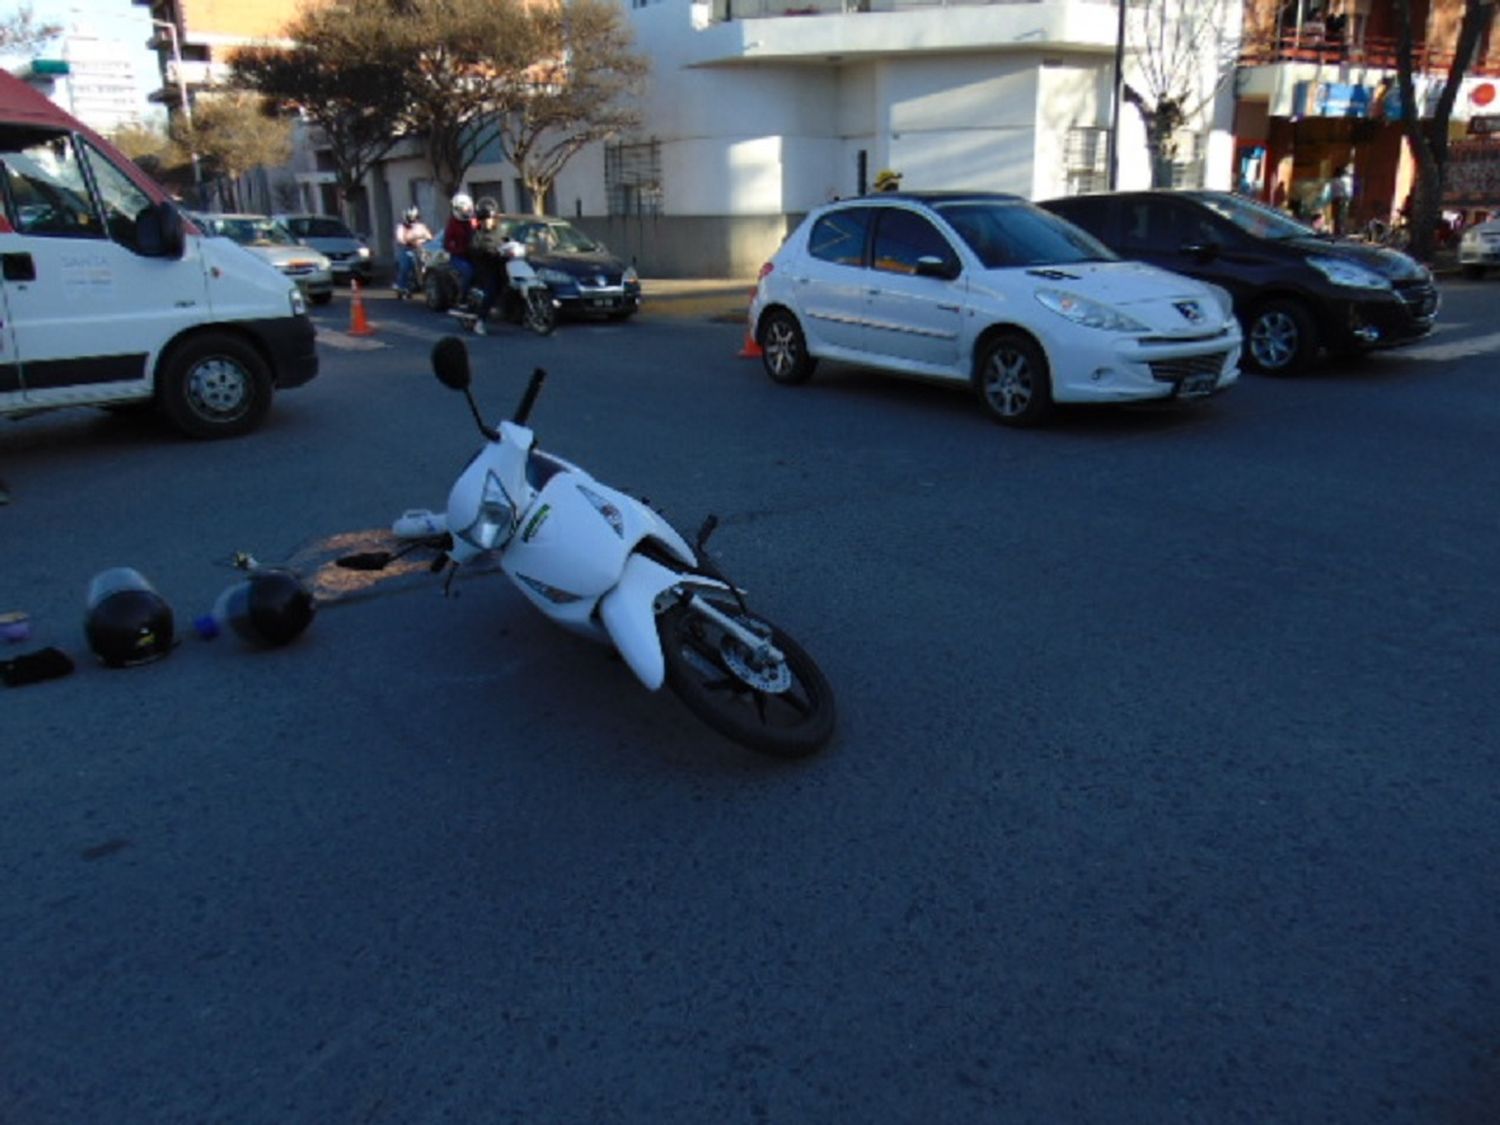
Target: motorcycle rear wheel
[785, 710]
[540, 312]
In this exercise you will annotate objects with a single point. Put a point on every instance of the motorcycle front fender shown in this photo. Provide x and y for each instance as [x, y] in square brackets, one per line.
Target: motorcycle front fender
[629, 615]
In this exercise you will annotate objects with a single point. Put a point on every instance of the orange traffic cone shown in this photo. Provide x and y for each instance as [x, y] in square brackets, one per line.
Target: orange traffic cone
[358, 325]
[751, 348]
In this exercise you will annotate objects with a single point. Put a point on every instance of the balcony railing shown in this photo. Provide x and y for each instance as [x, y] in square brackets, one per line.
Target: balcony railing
[1310, 45]
[760, 9]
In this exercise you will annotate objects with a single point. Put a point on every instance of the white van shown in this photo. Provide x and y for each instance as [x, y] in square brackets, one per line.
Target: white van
[110, 297]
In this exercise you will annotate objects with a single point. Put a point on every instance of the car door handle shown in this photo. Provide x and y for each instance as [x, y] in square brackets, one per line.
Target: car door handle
[17, 267]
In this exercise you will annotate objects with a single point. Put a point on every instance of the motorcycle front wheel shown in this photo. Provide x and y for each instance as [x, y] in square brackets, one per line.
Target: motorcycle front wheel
[540, 312]
[783, 708]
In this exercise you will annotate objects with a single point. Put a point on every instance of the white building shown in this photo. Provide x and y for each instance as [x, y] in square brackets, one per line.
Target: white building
[758, 110]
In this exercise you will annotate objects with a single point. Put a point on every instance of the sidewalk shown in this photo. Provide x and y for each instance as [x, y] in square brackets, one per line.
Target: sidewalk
[724, 299]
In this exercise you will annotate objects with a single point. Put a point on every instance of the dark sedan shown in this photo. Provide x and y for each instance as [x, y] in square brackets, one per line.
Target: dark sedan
[585, 278]
[1296, 291]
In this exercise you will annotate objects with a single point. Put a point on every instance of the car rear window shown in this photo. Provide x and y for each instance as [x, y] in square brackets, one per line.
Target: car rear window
[839, 236]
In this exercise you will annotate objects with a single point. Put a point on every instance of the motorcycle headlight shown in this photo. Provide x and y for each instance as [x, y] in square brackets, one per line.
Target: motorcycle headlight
[496, 518]
[1342, 272]
[554, 277]
[1090, 314]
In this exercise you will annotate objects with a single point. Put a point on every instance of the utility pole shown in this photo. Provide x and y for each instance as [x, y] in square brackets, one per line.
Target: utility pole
[1114, 105]
[187, 106]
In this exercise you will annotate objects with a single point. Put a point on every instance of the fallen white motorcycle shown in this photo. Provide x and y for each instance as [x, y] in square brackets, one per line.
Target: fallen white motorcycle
[607, 566]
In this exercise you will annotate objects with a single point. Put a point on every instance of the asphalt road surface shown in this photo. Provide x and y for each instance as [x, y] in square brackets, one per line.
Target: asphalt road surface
[1165, 788]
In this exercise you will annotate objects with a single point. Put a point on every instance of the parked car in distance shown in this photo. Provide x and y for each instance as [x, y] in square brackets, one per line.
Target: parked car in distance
[993, 291]
[585, 278]
[331, 237]
[1479, 248]
[268, 239]
[1296, 291]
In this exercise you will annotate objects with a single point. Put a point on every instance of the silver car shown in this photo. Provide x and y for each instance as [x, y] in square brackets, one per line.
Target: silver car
[270, 240]
[331, 237]
[1479, 248]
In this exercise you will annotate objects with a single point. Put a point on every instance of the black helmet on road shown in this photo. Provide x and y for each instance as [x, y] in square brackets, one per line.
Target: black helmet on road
[127, 622]
[270, 607]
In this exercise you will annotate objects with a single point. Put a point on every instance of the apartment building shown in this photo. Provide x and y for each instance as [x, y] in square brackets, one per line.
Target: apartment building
[1317, 90]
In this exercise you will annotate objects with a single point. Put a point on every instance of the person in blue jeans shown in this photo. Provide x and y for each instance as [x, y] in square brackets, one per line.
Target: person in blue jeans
[411, 235]
[456, 238]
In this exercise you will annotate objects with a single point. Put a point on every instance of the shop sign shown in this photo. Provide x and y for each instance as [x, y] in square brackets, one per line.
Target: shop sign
[1484, 124]
[1330, 99]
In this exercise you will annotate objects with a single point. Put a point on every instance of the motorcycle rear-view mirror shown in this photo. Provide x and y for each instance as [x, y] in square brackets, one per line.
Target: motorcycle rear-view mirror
[450, 363]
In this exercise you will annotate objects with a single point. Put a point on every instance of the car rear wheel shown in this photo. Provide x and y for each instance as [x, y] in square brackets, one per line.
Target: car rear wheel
[783, 348]
[1013, 380]
[1280, 338]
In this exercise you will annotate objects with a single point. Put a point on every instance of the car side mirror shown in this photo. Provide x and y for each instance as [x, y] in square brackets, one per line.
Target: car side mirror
[929, 265]
[159, 231]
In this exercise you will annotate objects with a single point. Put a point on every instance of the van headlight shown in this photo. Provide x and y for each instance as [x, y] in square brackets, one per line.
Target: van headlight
[299, 303]
[1342, 272]
[496, 517]
[1090, 314]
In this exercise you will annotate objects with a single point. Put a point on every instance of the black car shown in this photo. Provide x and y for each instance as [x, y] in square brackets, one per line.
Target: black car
[585, 278]
[1295, 290]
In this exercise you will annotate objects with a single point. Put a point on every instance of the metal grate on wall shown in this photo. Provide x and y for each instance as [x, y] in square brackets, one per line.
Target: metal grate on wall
[632, 178]
[1087, 159]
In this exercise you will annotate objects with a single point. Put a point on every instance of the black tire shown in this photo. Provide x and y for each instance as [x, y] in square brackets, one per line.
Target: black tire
[540, 313]
[1473, 272]
[213, 386]
[438, 292]
[1013, 380]
[783, 349]
[321, 298]
[785, 720]
[1280, 338]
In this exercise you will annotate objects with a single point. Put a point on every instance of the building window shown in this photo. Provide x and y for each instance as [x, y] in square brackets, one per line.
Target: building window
[632, 178]
[1087, 159]
[1187, 165]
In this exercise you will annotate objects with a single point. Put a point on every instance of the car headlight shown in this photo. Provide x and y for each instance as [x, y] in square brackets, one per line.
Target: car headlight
[1222, 295]
[324, 263]
[364, 251]
[631, 277]
[496, 517]
[299, 303]
[1090, 314]
[1341, 272]
[554, 277]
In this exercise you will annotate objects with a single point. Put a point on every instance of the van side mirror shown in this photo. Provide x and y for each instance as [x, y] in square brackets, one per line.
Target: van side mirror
[159, 232]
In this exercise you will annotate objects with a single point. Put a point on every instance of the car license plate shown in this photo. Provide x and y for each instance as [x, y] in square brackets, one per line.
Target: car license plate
[1196, 385]
[600, 302]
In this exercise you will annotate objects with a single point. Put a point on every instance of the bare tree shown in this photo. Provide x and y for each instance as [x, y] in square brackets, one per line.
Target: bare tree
[346, 75]
[234, 133]
[576, 92]
[20, 31]
[1429, 138]
[1183, 51]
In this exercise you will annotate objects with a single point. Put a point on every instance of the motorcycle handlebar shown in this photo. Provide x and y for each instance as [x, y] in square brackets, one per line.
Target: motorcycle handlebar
[534, 388]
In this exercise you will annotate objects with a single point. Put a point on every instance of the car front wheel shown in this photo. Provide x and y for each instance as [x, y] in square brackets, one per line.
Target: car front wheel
[1013, 381]
[1280, 338]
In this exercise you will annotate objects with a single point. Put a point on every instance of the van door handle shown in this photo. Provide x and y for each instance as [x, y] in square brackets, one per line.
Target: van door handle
[17, 267]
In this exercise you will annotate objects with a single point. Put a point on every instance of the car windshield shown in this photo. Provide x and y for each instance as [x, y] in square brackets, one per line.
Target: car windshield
[252, 232]
[1013, 233]
[319, 228]
[555, 237]
[1256, 218]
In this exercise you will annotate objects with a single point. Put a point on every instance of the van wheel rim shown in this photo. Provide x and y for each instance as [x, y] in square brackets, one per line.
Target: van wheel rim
[219, 389]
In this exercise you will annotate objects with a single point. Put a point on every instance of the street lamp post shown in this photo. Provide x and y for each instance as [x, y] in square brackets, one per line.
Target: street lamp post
[187, 106]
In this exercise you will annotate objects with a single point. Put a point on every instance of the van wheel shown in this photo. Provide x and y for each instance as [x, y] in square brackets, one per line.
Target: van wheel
[1280, 338]
[214, 386]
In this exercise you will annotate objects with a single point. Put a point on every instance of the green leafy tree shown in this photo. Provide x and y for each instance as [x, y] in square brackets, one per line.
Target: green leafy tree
[233, 133]
[346, 75]
[1428, 137]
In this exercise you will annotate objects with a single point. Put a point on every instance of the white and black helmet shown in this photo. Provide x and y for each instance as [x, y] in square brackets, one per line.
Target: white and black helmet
[462, 204]
[412, 214]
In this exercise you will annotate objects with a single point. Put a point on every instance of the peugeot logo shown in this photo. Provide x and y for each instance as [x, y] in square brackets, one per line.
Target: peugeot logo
[1190, 310]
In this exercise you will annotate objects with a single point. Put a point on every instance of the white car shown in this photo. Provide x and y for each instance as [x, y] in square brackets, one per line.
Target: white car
[1479, 248]
[990, 290]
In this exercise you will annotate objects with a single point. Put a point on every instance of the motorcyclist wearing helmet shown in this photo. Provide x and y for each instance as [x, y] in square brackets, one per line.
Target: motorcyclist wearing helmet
[489, 261]
[456, 238]
[411, 235]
